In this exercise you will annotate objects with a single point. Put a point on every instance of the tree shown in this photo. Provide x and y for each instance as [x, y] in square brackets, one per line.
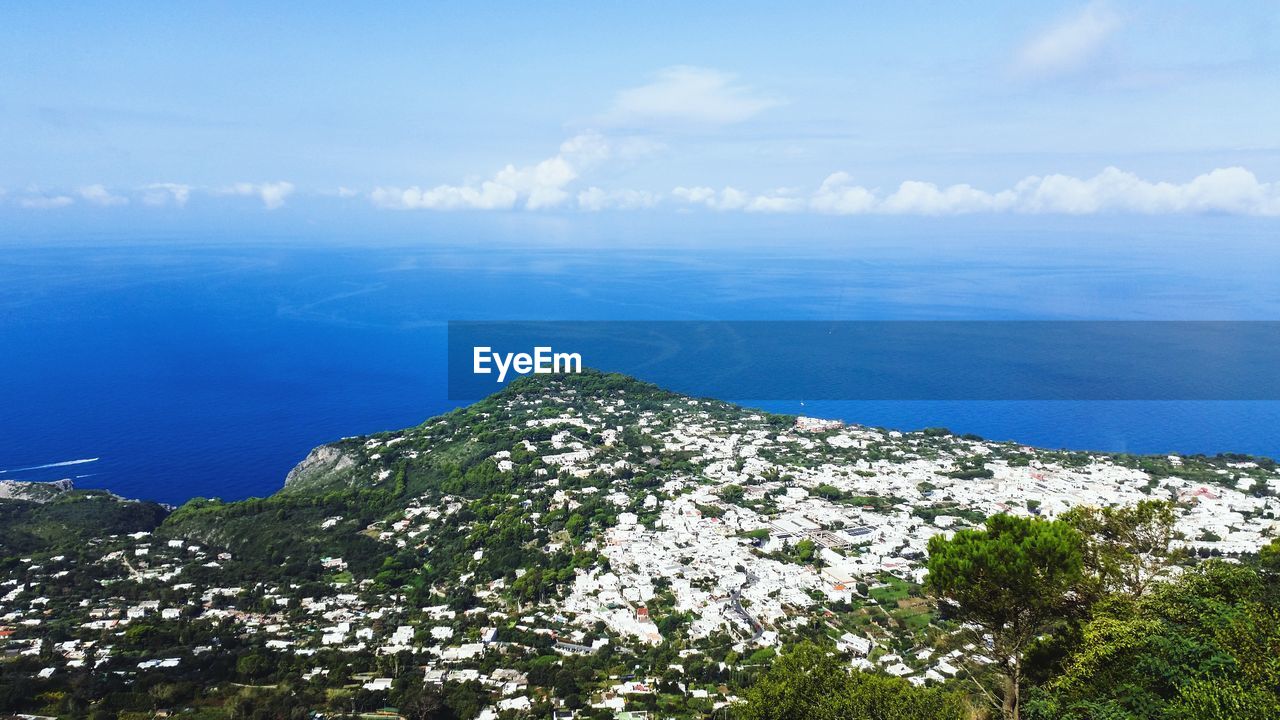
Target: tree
[1203, 647]
[1016, 580]
[732, 493]
[253, 666]
[1126, 548]
[1269, 558]
[805, 550]
[811, 683]
[827, 491]
[420, 702]
[575, 525]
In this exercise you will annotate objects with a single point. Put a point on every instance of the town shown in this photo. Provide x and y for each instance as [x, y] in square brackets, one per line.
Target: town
[571, 547]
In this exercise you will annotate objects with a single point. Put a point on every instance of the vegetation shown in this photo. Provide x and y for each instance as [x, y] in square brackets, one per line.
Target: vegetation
[1015, 581]
[812, 683]
[1078, 618]
[1089, 616]
[71, 518]
[1128, 546]
[1206, 646]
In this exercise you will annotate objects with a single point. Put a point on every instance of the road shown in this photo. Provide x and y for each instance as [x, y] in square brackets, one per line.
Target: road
[736, 605]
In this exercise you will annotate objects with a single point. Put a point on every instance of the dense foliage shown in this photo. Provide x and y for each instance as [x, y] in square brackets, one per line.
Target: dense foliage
[70, 519]
[1077, 617]
[812, 683]
[1206, 646]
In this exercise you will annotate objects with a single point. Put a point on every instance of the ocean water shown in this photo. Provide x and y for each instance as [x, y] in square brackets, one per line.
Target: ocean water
[169, 369]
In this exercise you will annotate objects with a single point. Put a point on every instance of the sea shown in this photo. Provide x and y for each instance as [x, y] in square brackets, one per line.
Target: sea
[178, 366]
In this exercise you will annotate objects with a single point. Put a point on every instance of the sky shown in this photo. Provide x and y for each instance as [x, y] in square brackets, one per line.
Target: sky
[126, 114]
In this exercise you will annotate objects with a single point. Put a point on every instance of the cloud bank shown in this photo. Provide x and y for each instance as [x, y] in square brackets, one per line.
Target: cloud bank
[1232, 190]
[166, 194]
[549, 185]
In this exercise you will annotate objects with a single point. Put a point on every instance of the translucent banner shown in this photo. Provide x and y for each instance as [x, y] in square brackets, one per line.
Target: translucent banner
[885, 360]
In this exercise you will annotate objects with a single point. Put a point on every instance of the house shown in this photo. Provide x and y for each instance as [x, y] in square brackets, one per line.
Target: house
[378, 684]
[573, 648]
[851, 643]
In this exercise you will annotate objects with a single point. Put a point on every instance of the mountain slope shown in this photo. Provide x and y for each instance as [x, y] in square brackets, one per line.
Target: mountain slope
[554, 472]
[592, 539]
[64, 517]
[358, 481]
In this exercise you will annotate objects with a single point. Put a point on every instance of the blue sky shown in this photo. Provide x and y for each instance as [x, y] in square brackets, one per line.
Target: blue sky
[821, 109]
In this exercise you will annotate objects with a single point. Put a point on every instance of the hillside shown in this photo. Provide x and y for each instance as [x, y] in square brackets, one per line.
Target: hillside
[595, 543]
[365, 480]
[33, 491]
[46, 517]
[556, 441]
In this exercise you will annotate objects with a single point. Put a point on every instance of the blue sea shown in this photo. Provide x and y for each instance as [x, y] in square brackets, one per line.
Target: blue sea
[174, 367]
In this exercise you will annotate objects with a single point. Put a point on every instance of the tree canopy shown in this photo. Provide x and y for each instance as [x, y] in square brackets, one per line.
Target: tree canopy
[1126, 547]
[811, 683]
[1206, 646]
[1016, 579]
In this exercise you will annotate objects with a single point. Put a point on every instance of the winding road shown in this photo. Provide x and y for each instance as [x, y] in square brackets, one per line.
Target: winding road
[735, 604]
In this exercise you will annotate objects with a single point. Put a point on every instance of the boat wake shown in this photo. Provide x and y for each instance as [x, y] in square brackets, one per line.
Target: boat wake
[64, 463]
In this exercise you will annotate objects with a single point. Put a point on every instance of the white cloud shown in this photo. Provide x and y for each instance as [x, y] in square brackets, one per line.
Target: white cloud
[45, 202]
[100, 196]
[838, 196]
[1232, 190]
[783, 200]
[727, 199]
[688, 94]
[543, 184]
[731, 198]
[923, 198]
[488, 196]
[1071, 45]
[594, 199]
[272, 194]
[160, 194]
[534, 187]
